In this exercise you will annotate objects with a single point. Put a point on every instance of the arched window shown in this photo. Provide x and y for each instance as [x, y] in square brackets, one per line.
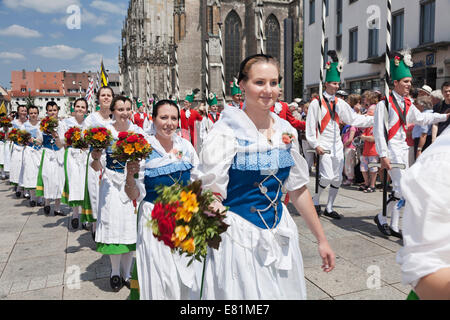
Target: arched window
[232, 48]
[272, 33]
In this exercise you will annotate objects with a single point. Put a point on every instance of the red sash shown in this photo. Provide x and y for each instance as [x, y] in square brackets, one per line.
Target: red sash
[211, 117]
[401, 118]
[327, 117]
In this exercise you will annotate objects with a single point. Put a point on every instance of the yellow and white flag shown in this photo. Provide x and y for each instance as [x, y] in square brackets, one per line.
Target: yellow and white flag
[103, 76]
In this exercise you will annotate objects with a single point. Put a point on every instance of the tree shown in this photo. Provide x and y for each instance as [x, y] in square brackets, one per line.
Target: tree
[298, 69]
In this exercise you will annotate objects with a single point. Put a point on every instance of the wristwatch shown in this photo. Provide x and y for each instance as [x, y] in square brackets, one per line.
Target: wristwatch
[419, 149]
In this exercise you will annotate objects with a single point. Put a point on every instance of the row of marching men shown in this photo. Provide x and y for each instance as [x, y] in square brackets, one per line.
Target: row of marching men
[248, 158]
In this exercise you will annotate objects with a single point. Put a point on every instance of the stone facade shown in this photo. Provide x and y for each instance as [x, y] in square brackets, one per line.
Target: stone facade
[154, 28]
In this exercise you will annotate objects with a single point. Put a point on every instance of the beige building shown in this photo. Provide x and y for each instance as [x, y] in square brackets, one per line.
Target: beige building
[154, 28]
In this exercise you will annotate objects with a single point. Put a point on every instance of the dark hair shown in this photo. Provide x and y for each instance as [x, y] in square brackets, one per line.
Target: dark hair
[105, 87]
[51, 103]
[414, 92]
[33, 107]
[21, 106]
[248, 62]
[80, 99]
[119, 98]
[164, 102]
[445, 84]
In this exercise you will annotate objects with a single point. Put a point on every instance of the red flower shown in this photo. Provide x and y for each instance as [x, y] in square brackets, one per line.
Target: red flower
[94, 130]
[132, 139]
[123, 135]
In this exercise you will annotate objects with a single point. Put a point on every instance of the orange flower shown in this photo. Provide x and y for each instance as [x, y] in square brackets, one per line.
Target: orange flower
[99, 136]
[128, 149]
[188, 245]
[181, 233]
[139, 147]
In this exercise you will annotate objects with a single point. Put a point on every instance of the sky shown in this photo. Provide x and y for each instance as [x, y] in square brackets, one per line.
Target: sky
[56, 35]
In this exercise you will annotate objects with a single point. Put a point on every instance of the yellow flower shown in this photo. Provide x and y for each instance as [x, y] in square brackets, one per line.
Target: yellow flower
[184, 214]
[138, 147]
[181, 233]
[189, 201]
[188, 245]
[128, 149]
[76, 136]
[99, 136]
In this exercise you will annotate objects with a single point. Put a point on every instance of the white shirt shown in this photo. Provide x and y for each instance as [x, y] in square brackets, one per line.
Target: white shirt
[426, 221]
[398, 141]
[330, 138]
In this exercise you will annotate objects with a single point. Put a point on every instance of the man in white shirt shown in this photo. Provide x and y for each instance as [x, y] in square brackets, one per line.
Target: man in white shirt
[323, 133]
[390, 142]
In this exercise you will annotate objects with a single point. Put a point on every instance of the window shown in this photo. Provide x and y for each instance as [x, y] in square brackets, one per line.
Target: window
[397, 31]
[353, 45]
[232, 47]
[338, 25]
[373, 43]
[272, 33]
[427, 10]
[338, 43]
[312, 11]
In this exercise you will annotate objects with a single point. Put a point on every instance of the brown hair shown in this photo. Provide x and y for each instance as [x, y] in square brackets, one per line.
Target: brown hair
[372, 98]
[353, 99]
[248, 62]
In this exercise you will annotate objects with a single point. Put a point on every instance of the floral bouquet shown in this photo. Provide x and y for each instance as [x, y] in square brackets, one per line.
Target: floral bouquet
[5, 122]
[74, 139]
[23, 137]
[13, 135]
[2, 136]
[98, 137]
[287, 137]
[183, 220]
[49, 125]
[131, 147]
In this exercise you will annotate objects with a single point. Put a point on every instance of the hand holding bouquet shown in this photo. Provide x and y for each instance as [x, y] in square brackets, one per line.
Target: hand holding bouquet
[5, 122]
[183, 220]
[74, 139]
[49, 125]
[98, 138]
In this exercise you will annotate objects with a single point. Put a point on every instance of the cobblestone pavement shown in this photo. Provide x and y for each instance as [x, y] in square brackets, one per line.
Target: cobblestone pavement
[42, 258]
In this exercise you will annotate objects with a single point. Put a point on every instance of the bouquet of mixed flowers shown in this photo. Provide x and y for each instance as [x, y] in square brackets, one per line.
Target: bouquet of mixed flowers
[23, 137]
[98, 137]
[2, 136]
[5, 122]
[74, 139]
[13, 135]
[49, 125]
[131, 147]
[183, 220]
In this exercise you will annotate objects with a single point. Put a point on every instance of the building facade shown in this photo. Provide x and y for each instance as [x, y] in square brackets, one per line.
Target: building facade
[154, 30]
[38, 88]
[357, 28]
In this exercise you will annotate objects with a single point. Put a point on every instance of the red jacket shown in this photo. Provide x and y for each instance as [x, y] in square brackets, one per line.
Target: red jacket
[189, 124]
[286, 114]
[137, 120]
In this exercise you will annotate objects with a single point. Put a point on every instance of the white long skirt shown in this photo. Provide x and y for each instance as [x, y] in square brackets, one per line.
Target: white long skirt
[7, 156]
[31, 162]
[163, 275]
[2, 152]
[94, 185]
[53, 175]
[116, 220]
[16, 163]
[76, 173]
[256, 264]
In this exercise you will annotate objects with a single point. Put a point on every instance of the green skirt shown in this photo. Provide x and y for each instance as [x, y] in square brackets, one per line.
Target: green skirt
[40, 181]
[134, 285]
[113, 248]
[412, 296]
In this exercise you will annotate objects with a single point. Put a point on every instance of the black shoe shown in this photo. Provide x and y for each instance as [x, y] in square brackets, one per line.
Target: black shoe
[84, 225]
[126, 283]
[32, 203]
[18, 194]
[116, 283]
[332, 214]
[93, 236]
[75, 223]
[47, 210]
[318, 210]
[384, 228]
[40, 203]
[395, 233]
[59, 213]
